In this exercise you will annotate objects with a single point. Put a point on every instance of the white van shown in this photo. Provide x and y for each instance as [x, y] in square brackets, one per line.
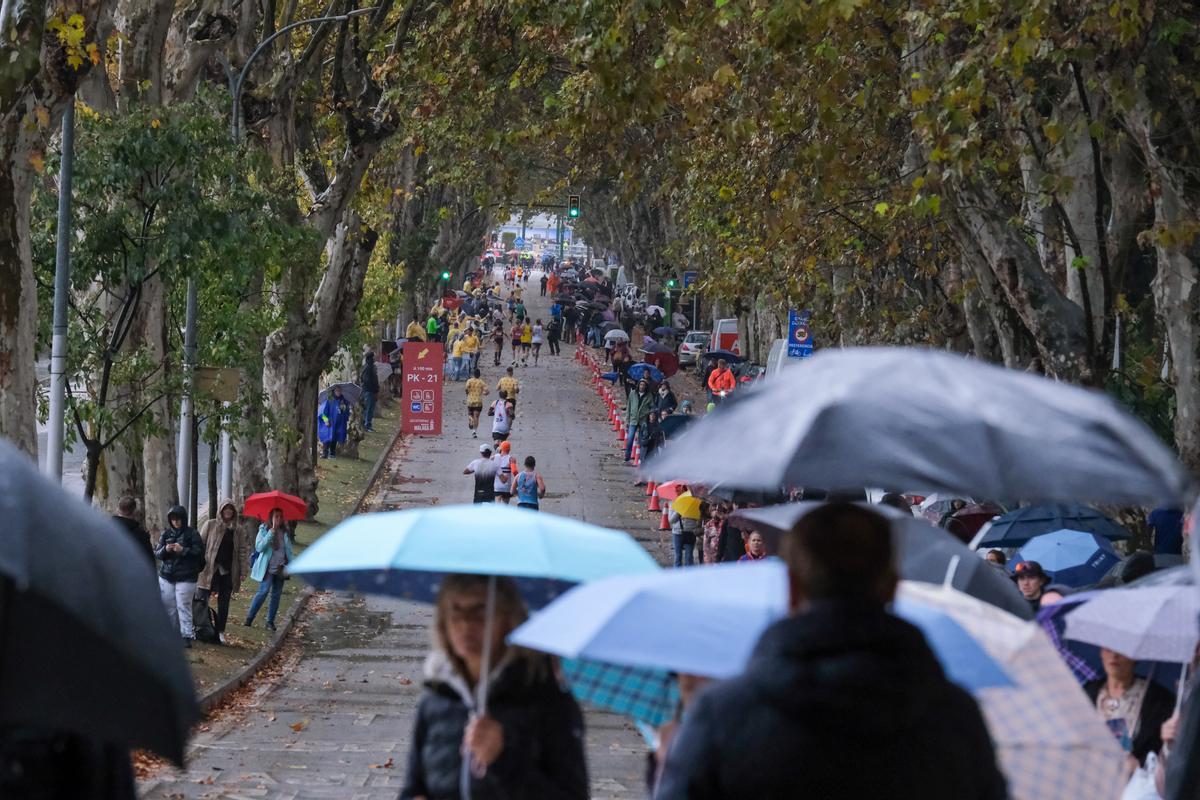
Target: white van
[725, 336]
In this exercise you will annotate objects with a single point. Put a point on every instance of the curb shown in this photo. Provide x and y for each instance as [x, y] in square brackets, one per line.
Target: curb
[213, 697]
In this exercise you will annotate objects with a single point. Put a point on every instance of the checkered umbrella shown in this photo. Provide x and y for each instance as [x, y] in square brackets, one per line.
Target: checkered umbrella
[1049, 738]
[647, 695]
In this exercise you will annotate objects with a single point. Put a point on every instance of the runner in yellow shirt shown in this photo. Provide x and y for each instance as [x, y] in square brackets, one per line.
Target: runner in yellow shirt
[510, 386]
[475, 389]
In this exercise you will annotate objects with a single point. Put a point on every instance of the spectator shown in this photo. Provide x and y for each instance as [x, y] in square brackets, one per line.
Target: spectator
[683, 536]
[1031, 580]
[368, 379]
[414, 332]
[666, 402]
[126, 509]
[997, 557]
[710, 552]
[639, 407]
[756, 547]
[896, 501]
[181, 553]
[274, 548]
[332, 420]
[530, 742]
[720, 382]
[226, 549]
[1134, 708]
[841, 699]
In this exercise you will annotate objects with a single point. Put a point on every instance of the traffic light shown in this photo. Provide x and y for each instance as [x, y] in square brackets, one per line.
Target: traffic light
[573, 206]
[670, 283]
[445, 276]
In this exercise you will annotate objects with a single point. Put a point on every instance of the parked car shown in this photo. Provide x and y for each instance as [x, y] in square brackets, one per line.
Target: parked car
[694, 343]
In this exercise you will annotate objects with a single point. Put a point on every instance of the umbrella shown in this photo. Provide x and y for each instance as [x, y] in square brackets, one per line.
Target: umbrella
[1049, 740]
[628, 626]
[687, 505]
[260, 506]
[913, 417]
[651, 309]
[1173, 576]
[671, 489]
[1084, 659]
[1155, 623]
[673, 424]
[923, 553]
[406, 553]
[1019, 526]
[616, 335]
[936, 505]
[350, 391]
[761, 497]
[666, 363]
[729, 356]
[1073, 558]
[664, 331]
[643, 370]
[968, 521]
[85, 644]
[655, 347]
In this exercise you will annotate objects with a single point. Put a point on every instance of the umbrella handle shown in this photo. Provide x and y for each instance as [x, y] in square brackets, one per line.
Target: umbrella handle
[485, 670]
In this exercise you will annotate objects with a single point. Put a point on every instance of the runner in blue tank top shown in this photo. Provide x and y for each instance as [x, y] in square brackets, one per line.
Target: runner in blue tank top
[528, 485]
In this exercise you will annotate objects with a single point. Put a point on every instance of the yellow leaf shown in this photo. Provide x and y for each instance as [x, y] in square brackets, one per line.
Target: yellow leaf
[299, 726]
[43, 116]
[37, 160]
[94, 53]
[155, 123]
[920, 96]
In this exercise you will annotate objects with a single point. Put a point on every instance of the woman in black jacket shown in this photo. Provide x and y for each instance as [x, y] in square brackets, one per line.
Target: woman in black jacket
[529, 744]
[180, 552]
[1134, 708]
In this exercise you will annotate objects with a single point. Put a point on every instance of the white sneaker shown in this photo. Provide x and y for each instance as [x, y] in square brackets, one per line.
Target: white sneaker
[221, 636]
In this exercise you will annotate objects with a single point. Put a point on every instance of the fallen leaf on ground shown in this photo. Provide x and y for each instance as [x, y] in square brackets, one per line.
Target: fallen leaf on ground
[385, 765]
[299, 726]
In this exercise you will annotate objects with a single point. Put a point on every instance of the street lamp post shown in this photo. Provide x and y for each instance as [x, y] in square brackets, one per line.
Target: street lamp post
[186, 413]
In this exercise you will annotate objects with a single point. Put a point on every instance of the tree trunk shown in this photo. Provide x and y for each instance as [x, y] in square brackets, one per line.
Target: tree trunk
[297, 353]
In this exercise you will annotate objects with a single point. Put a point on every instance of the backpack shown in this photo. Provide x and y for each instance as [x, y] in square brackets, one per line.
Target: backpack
[204, 618]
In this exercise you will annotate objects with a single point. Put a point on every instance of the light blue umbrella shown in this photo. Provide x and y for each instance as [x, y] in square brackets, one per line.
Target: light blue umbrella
[624, 634]
[406, 553]
[1076, 558]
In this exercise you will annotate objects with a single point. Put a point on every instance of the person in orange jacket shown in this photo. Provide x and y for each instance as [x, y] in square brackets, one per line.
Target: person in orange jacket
[720, 382]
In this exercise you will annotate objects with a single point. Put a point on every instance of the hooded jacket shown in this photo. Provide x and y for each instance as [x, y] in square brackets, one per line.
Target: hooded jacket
[184, 566]
[542, 759]
[841, 701]
[212, 533]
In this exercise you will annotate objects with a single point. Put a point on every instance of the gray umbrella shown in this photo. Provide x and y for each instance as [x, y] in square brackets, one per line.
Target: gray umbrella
[924, 553]
[85, 644]
[350, 391]
[902, 417]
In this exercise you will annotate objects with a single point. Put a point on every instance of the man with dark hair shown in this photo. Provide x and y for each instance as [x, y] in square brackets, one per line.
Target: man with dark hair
[841, 699]
[127, 519]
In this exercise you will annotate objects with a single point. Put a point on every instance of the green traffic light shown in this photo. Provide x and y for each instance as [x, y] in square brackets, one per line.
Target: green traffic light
[445, 276]
[671, 283]
[574, 212]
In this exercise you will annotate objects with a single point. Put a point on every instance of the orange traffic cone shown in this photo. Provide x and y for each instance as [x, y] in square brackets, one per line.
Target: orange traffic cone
[664, 524]
[654, 504]
[637, 454]
[620, 431]
[650, 487]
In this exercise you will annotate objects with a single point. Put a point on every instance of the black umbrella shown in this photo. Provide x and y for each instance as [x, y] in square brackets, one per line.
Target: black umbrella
[729, 356]
[760, 497]
[1017, 527]
[655, 347]
[85, 644]
[674, 423]
[923, 553]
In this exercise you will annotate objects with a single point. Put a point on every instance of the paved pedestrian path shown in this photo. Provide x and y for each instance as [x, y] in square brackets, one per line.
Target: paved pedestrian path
[337, 722]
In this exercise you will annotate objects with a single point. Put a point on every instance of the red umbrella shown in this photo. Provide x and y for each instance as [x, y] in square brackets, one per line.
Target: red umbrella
[967, 521]
[260, 506]
[671, 489]
[667, 363]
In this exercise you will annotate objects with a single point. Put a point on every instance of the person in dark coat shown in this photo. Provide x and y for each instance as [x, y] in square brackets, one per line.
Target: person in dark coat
[731, 544]
[180, 552]
[126, 509]
[529, 743]
[841, 699]
[368, 379]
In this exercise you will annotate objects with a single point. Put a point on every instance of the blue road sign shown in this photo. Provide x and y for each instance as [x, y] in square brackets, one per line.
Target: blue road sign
[519, 242]
[800, 343]
[689, 277]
